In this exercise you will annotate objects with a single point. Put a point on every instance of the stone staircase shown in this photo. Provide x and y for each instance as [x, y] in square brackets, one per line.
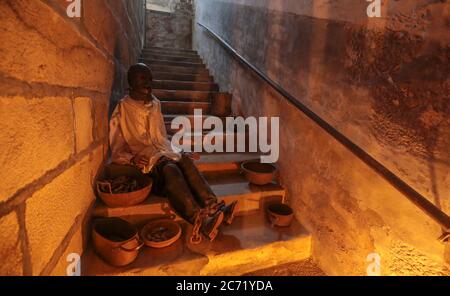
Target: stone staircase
[183, 83]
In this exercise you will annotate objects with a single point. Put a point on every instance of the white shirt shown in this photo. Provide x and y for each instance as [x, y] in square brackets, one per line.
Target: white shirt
[137, 128]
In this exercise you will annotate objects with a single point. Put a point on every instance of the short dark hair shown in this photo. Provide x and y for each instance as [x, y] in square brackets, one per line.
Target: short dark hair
[135, 71]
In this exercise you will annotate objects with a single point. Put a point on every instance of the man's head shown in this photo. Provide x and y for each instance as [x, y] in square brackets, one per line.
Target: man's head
[140, 81]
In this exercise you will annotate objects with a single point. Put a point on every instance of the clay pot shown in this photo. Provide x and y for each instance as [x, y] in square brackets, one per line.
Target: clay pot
[112, 171]
[280, 215]
[258, 173]
[116, 241]
[170, 226]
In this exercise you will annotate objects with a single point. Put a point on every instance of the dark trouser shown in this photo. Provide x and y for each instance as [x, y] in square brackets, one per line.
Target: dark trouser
[184, 185]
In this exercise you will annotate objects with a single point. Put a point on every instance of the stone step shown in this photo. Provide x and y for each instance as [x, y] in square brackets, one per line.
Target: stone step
[248, 245]
[222, 171]
[180, 107]
[169, 49]
[171, 131]
[184, 85]
[212, 165]
[174, 63]
[185, 95]
[234, 187]
[182, 77]
[168, 57]
[172, 54]
[168, 118]
[201, 138]
[178, 69]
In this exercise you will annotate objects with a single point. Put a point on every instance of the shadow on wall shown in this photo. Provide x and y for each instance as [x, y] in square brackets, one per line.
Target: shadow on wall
[119, 85]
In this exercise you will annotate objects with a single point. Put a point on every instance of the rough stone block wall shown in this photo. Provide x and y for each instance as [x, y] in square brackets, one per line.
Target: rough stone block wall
[58, 79]
[171, 29]
[381, 82]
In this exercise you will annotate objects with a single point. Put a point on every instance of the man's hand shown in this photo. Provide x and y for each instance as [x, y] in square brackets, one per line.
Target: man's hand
[140, 161]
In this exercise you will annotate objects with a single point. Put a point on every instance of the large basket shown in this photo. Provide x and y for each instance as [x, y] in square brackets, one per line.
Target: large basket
[112, 200]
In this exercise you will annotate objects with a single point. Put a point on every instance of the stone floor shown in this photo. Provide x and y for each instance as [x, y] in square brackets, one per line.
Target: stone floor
[302, 268]
[247, 246]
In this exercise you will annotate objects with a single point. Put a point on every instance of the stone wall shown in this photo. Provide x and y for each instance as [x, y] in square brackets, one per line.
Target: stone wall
[381, 82]
[57, 78]
[161, 5]
[171, 29]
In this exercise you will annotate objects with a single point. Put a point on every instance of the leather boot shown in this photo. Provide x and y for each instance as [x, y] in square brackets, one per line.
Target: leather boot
[210, 225]
[228, 212]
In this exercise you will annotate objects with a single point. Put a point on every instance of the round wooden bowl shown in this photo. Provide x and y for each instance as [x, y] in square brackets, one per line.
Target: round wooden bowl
[167, 230]
[258, 173]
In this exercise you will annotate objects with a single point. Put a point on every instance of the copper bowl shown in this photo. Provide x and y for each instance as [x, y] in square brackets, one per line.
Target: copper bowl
[116, 241]
[258, 173]
[171, 230]
[112, 200]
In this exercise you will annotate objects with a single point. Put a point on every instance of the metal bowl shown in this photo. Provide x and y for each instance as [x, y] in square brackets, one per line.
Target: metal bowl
[171, 229]
[258, 173]
[112, 200]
